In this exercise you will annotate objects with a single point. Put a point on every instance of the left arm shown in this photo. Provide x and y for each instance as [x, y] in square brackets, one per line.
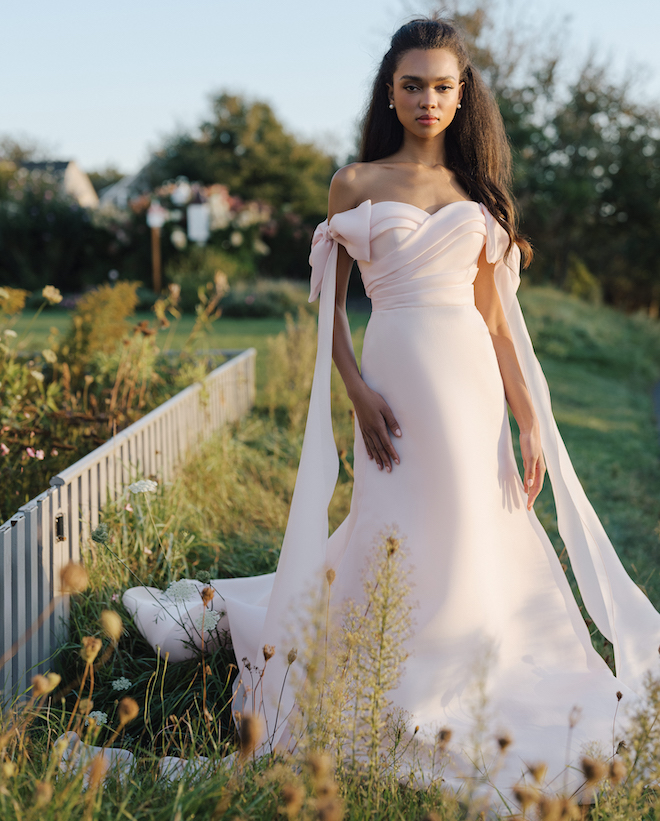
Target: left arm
[489, 306]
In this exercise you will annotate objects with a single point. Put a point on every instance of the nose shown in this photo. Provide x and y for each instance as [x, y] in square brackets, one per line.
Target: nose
[428, 99]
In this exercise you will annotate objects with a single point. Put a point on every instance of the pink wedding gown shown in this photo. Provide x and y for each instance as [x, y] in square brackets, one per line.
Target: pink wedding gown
[484, 573]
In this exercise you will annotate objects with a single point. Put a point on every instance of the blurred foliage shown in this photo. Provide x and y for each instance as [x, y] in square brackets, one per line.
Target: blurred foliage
[267, 298]
[102, 179]
[58, 404]
[244, 146]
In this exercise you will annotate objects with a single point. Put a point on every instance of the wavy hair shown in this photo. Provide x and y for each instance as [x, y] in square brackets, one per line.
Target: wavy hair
[476, 146]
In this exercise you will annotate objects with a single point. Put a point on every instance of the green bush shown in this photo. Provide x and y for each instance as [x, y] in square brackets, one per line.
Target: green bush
[266, 298]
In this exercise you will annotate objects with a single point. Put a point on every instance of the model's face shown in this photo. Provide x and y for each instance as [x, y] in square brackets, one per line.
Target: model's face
[425, 90]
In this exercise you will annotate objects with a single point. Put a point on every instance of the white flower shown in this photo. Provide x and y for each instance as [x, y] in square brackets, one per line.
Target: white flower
[9, 332]
[97, 716]
[143, 486]
[210, 619]
[179, 239]
[122, 683]
[182, 591]
[49, 355]
[51, 294]
[236, 238]
[37, 375]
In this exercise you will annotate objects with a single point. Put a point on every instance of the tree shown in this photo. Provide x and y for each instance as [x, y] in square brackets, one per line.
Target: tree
[245, 147]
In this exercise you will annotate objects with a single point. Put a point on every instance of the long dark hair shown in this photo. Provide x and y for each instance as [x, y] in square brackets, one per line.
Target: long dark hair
[476, 145]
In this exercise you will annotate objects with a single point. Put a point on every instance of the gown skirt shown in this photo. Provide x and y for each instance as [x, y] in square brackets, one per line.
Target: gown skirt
[492, 601]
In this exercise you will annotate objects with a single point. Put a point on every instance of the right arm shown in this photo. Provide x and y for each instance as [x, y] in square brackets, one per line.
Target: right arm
[373, 413]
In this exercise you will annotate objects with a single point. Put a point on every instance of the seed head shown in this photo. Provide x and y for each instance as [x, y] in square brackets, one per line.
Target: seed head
[249, 734]
[293, 655]
[73, 578]
[96, 771]
[90, 649]
[293, 796]
[53, 680]
[504, 742]
[617, 771]
[203, 576]
[207, 595]
[39, 686]
[269, 651]
[9, 769]
[538, 771]
[444, 737]
[392, 544]
[101, 534]
[574, 716]
[43, 793]
[619, 695]
[330, 575]
[112, 624]
[86, 706]
[594, 770]
[525, 796]
[128, 710]
[558, 809]
[320, 766]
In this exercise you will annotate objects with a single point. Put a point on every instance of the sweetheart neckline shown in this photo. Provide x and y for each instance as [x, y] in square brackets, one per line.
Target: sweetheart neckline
[407, 205]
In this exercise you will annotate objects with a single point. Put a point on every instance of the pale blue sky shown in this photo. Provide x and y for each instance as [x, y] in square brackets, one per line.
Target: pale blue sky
[103, 82]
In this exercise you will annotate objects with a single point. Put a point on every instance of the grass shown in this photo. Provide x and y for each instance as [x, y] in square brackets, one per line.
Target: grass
[225, 514]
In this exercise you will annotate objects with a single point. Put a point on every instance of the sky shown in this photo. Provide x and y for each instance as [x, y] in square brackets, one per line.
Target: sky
[105, 83]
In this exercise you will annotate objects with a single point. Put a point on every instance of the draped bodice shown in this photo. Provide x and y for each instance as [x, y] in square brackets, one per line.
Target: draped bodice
[408, 257]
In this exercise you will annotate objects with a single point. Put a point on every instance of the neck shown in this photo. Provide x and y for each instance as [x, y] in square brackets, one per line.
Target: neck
[423, 151]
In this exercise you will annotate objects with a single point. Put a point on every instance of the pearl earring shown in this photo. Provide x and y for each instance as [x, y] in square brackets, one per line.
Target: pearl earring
[458, 106]
[391, 105]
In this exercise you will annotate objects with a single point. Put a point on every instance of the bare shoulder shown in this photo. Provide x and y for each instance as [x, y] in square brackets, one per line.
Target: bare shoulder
[349, 187]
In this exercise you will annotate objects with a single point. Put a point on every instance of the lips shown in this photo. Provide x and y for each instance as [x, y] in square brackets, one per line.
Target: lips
[427, 120]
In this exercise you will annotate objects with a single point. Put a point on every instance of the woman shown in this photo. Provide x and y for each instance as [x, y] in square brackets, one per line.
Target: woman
[428, 215]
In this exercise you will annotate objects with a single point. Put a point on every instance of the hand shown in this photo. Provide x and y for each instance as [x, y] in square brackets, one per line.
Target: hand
[533, 462]
[375, 418]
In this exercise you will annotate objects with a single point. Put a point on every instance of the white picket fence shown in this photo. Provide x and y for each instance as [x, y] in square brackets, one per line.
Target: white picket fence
[53, 528]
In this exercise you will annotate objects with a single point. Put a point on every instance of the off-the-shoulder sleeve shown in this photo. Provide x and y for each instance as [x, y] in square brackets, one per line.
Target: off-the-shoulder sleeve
[616, 604]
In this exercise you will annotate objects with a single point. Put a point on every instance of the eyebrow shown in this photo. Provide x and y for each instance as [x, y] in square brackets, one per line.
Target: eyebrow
[420, 79]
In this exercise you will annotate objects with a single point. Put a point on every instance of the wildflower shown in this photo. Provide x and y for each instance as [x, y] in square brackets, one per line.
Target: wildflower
[594, 770]
[122, 683]
[202, 576]
[269, 651]
[293, 796]
[249, 734]
[37, 375]
[112, 624]
[558, 809]
[330, 575]
[175, 292]
[293, 655]
[30, 452]
[73, 578]
[4, 450]
[86, 706]
[114, 597]
[44, 684]
[49, 355]
[128, 710]
[525, 796]
[617, 771]
[98, 717]
[209, 618]
[503, 742]
[9, 769]
[88, 379]
[9, 332]
[148, 552]
[128, 507]
[91, 646]
[207, 595]
[4, 293]
[143, 486]
[236, 238]
[538, 771]
[51, 294]
[43, 793]
[40, 455]
[320, 766]
[444, 737]
[101, 534]
[181, 591]
[54, 452]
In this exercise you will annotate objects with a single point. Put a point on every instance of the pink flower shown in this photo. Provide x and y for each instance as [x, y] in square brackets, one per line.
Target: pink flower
[40, 454]
[115, 597]
[30, 452]
[147, 551]
[4, 450]
[128, 507]
[54, 452]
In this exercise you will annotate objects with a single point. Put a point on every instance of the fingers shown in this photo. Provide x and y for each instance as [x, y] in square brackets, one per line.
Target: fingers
[380, 448]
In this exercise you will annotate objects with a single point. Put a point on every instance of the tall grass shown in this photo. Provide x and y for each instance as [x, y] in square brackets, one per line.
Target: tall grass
[224, 515]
